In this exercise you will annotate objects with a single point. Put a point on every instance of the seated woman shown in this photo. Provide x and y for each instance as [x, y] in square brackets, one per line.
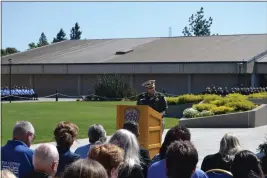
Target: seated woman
[246, 165]
[132, 165]
[110, 156]
[65, 133]
[229, 146]
[85, 168]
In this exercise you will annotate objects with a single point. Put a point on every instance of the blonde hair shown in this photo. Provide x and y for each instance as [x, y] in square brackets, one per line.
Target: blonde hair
[109, 155]
[229, 146]
[7, 174]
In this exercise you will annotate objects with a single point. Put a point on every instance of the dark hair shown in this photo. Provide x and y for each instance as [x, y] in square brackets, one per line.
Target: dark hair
[65, 133]
[96, 133]
[132, 127]
[178, 132]
[264, 164]
[181, 159]
[109, 155]
[246, 165]
[85, 168]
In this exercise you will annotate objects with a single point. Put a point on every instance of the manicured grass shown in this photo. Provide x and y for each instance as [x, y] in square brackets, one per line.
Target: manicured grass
[45, 115]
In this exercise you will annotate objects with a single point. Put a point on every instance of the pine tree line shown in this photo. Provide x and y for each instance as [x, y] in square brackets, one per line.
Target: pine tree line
[75, 34]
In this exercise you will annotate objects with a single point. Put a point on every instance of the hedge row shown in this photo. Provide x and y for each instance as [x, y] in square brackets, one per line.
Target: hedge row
[190, 98]
[215, 105]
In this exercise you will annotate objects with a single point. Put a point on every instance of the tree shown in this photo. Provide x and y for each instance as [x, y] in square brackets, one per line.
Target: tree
[61, 36]
[75, 33]
[32, 45]
[42, 40]
[9, 50]
[198, 25]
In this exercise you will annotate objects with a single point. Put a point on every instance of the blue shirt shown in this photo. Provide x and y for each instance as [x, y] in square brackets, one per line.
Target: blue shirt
[83, 150]
[158, 170]
[17, 157]
[66, 157]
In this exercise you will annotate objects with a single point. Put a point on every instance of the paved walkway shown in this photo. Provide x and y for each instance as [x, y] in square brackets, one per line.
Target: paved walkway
[43, 100]
[207, 141]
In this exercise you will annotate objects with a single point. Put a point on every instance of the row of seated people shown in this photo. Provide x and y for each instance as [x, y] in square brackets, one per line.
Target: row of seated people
[241, 90]
[19, 93]
[121, 156]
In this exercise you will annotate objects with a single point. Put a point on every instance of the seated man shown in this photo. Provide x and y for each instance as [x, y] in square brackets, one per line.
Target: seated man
[96, 133]
[145, 158]
[45, 162]
[16, 154]
[181, 159]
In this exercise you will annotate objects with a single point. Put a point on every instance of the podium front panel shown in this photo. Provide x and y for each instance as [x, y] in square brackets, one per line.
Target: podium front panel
[150, 125]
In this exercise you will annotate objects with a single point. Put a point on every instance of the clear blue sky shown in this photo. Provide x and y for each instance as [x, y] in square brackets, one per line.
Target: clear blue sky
[23, 22]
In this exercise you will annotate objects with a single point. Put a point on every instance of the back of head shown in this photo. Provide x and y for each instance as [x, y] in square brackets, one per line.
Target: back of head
[65, 133]
[110, 156]
[85, 168]
[245, 165]
[22, 131]
[178, 132]
[181, 159]
[132, 127]
[128, 142]
[229, 146]
[5, 173]
[45, 158]
[96, 133]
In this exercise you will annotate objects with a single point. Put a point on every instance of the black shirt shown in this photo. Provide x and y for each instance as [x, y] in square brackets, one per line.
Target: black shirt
[136, 172]
[36, 174]
[215, 161]
[145, 159]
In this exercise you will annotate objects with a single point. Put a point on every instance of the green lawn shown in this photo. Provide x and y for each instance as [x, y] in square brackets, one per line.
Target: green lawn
[45, 115]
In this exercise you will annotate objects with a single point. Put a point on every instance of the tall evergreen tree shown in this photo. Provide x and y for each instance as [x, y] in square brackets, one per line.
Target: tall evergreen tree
[198, 25]
[42, 40]
[61, 36]
[75, 33]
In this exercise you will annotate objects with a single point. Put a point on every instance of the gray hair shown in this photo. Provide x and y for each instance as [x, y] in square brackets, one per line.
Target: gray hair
[229, 146]
[128, 142]
[45, 155]
[96, 133]
[21, 128]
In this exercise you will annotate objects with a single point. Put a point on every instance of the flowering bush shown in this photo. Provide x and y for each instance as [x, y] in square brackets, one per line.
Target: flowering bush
[190, 113]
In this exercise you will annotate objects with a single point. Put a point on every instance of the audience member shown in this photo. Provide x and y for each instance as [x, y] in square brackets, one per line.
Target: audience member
[264, 164]
[181, 159]
[5, 173]
[65, 134]
[95, 133]
[110, 156]
[85, 168]
[132, 164]
[144, 153]
[158, 169]
[229, 146]
[45, 162]
[16, 154]
[246, 165]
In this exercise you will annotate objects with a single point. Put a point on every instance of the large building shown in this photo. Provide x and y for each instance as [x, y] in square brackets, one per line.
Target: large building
[178, 64]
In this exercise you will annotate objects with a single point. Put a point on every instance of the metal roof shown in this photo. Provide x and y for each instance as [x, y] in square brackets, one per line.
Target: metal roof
[263, 59]
[227, 48]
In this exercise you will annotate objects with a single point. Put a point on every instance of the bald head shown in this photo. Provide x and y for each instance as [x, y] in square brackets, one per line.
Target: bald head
[24, 131]
[45, 158]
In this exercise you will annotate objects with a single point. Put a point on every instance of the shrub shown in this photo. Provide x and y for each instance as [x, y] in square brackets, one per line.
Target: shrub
[262, 95]
[205, 113]
[236, 97]
[190, 113]
[112, 87]
[189, 98]
[219, 102]
[222, 110]
[172, 100]
[244, 105]
[208, 98]
[204, 107]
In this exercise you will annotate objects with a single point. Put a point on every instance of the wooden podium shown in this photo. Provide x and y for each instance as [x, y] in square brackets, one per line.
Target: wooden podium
[150, 125]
